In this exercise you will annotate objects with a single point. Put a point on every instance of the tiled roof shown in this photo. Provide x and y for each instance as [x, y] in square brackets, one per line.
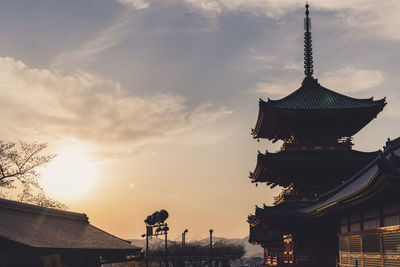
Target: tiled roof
[312, 96]
[312, 110]
[51, 228]
[281, 210]
[271, 166]
[318, 156]
[388, 162]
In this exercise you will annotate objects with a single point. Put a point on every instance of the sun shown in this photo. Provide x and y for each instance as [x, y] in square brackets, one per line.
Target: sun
[69, 175]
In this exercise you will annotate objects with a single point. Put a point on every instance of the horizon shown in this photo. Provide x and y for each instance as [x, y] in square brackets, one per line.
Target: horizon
[149, 104]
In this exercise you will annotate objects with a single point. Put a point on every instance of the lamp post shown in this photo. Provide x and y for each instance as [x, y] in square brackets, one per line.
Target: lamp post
[183, 238]
[165, 229]
[147, 247]
[183, 245]
[211, 247]
[156, 220]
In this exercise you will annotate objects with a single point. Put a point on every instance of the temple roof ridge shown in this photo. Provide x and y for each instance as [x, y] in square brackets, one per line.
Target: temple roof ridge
[311, 95]
[43, 228]
[270, 164]
[388, 162]
[390, 147]
[44, 211]
[284, 209]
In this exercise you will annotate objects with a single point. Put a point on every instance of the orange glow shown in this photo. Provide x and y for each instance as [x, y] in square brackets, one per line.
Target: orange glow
[69, 176]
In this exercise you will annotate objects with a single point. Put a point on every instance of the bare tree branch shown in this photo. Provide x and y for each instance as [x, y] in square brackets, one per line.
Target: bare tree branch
[18, 163]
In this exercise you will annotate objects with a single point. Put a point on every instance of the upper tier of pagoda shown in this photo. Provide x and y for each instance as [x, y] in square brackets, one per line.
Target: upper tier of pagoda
[314, 114]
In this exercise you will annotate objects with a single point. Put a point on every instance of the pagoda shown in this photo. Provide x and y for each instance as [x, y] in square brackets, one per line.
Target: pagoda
[316, 158]
[316, 126]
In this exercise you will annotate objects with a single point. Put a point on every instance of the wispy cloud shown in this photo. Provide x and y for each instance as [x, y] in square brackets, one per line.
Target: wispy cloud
[89, 108]
[351, 79]
[297, 66]
[277, 89]
[346, 80]
[381, 20]
[105, 39]
[136, 4]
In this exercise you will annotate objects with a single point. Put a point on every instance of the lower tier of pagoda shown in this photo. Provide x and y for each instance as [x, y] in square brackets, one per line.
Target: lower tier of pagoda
[309, 171]
[364, 212]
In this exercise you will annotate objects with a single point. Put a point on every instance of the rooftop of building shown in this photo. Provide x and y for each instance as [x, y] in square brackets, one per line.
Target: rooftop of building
[39, 227]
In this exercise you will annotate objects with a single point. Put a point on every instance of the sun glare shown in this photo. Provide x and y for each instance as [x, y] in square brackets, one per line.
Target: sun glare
[69, 176]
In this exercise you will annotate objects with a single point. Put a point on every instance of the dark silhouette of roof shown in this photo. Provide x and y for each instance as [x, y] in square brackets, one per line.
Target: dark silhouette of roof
[314, 112]
[382, 172]
[40, 227]
[318, 156]
[285, 209]
[284, 166]
[366, 182]
[312, 96]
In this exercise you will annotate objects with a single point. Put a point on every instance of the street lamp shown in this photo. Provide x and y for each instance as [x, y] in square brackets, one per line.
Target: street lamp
[156, 220]
[211, 247]
[165, 229]
[183, 238]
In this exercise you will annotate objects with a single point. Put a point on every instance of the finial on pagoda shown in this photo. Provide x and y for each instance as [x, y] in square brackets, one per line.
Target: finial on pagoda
[308, 58]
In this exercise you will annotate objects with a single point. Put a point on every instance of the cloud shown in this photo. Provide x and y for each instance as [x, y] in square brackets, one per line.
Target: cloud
[91, 109]
[207, 5]
[392, 110]
[350, 79]
[103, 40]
[293, 66]
[271, 8]
[345, 80]
[277, 8]
[277, 89]
[136, 4]
[380, 20]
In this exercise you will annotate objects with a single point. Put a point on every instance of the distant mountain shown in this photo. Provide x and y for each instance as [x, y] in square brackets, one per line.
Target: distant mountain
[251, 250]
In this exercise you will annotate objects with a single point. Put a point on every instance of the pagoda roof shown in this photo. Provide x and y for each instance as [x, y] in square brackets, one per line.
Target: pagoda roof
[312, 96]
[310, 99]
[285, 209]
[365, 184]
[282, 167]
[259, 234]
[380, 174]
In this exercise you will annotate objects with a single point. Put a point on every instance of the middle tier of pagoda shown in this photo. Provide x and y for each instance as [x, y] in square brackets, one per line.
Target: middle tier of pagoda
[309, 171]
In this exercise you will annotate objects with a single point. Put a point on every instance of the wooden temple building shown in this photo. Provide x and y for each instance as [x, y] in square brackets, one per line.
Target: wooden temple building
[339, 206]
[33, 236]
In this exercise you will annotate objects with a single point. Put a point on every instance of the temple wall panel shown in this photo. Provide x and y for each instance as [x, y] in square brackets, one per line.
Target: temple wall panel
[363, 249]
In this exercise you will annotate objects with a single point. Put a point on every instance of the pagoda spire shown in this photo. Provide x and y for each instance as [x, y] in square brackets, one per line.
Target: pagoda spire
[308, 58]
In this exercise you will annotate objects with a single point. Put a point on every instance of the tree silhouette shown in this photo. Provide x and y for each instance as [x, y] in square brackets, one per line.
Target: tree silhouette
[18, 170]
[198, 253]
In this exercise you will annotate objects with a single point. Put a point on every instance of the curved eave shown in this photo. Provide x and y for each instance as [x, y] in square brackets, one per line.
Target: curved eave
[269, 116]
[379, 181]
[254, 221]
[256, 131]
[311, 95]
[266, 166]
[282, 210]
[254, 176]
[382, 173]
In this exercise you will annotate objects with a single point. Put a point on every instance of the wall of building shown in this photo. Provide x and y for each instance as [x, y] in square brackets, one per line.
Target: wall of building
[371, 237]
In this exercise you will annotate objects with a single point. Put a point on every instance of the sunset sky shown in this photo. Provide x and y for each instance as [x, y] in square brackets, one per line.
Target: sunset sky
[149, 103]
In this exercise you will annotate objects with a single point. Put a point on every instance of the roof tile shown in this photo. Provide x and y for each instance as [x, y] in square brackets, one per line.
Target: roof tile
[312, 96]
